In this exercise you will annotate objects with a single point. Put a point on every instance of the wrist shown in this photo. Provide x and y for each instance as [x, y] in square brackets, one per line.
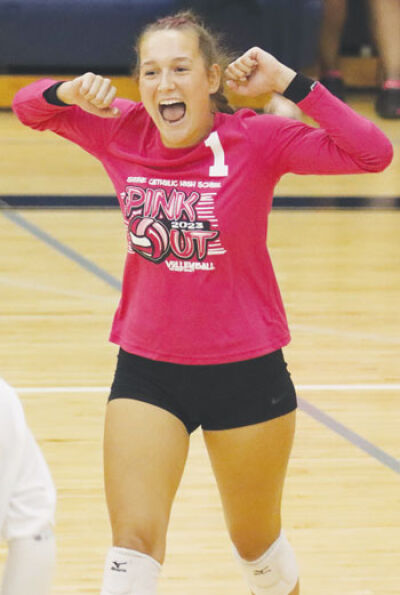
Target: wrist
[285, 77]
[63, 93]
[299, 88]
[51, 95]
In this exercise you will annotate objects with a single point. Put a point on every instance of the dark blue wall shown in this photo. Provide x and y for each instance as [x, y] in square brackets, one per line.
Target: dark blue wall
[78, 35]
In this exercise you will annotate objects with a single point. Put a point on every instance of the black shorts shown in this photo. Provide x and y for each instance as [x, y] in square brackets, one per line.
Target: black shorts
[215, 397]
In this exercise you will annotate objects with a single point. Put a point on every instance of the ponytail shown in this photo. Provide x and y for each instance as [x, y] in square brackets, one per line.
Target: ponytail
[221, 103]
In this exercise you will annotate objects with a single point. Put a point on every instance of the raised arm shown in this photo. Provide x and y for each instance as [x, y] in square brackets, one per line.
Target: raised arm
[83, 110]
[345, 142]
[92, 93]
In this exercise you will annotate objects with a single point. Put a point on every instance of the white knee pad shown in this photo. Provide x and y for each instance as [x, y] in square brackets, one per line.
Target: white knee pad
[273, 573]
[128, 572]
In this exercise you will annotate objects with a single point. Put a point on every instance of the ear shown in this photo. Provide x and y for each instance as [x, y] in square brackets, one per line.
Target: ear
[214, 78]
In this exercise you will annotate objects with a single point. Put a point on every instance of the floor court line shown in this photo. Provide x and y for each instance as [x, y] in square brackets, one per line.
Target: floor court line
[83, 262]
[355, 439]
[299, 387]
[323, 418]
[321, 330]
[102, 274]
[347, 387]
[40, 287]
[311, 410]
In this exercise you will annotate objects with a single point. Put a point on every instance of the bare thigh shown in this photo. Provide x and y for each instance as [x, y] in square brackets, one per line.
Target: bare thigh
[145, 449]
[250, 467]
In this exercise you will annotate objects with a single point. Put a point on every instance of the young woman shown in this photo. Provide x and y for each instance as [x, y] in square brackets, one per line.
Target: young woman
[200, 323]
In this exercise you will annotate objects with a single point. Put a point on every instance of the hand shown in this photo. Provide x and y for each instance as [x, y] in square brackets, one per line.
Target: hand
[256, 72]
[92, 93]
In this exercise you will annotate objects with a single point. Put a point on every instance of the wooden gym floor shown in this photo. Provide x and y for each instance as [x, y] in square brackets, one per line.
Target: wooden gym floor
[339, 274]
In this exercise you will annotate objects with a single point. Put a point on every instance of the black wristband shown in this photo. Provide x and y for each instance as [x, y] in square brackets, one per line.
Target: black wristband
[299, 88]
[50, 95]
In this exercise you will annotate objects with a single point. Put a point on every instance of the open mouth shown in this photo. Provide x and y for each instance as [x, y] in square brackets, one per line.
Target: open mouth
[172, 111]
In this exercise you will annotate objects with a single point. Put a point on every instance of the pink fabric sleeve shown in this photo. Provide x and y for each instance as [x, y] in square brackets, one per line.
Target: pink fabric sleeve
[345, 143]
[91, 132]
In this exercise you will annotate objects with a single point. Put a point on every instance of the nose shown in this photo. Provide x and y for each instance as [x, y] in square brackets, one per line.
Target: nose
[166, 81]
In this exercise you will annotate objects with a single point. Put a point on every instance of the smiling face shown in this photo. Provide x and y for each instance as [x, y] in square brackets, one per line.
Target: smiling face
[175, 86]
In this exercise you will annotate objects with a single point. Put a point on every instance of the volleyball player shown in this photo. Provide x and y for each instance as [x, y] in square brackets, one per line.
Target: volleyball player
[27, 503]
[200, 322]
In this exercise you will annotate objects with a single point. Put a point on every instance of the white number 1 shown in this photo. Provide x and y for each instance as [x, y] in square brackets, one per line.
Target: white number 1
[219, 169]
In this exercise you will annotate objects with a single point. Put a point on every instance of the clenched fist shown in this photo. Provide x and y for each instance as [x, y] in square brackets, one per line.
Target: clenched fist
[257, 72]
[92, 93]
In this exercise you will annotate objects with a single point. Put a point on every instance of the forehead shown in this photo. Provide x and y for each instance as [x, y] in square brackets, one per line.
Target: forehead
[167, 45]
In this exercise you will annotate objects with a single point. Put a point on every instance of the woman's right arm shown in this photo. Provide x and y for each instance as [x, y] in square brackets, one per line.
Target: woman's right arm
[92, 93]
[83, 110]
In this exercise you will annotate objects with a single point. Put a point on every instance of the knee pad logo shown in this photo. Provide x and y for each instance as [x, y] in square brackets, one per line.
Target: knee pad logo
[263, 571]
[117, 566]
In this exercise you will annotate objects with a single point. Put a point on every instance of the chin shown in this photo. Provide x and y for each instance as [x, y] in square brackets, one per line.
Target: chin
[174, 143]
[176, 139]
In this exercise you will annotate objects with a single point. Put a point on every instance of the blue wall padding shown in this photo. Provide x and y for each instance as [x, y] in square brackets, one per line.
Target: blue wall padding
[78, 35]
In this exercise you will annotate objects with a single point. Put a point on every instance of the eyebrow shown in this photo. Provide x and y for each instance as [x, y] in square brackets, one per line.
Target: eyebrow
[177, 59]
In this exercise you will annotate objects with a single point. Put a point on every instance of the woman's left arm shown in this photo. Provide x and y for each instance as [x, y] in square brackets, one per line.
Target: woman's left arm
[345, 142]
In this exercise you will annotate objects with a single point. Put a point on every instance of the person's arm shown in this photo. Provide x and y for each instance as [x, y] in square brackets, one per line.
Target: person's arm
[92, 93]
[345, 142]
[83, 110]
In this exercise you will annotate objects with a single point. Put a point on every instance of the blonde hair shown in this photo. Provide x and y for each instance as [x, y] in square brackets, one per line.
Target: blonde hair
[209, 46]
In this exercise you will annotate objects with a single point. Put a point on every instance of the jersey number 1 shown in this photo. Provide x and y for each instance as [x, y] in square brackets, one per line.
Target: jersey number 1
[219, 169]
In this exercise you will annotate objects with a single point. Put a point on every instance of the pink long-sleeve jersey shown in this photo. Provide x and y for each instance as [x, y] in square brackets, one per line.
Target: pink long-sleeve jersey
[199, 286]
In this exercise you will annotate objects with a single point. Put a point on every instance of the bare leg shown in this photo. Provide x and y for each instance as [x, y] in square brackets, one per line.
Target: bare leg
[250, 467]
[334, 17]
[385, 15]
[145, 450]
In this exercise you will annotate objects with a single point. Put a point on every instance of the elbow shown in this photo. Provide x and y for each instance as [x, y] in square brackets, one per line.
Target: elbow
[24, 115]
[16, 107]
[380, 160]
[386, 156]
[18, 100]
